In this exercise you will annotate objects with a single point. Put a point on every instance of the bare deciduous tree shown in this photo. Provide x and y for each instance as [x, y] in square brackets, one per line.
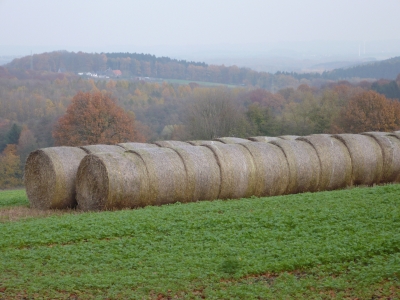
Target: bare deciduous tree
[213, 113]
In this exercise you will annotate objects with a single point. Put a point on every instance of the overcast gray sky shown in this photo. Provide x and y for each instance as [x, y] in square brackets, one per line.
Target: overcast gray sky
[104, 25]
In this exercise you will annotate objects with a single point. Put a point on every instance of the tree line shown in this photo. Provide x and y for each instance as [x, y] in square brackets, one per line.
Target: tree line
[146, 65]
[32, 109]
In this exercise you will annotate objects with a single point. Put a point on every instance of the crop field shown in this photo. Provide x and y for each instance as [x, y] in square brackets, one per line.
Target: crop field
[330, 245]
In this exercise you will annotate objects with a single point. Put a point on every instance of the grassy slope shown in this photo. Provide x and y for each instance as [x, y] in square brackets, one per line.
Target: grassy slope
[322, 245]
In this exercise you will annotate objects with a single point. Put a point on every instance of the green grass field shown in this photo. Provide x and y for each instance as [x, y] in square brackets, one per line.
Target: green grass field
[328, 245]
[13, 198]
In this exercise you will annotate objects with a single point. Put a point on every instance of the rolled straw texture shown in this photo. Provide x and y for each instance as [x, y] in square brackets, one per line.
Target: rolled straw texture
[304, 165]
[102, 148]
[202, 171]
[134, 146]
[366, 158]
[169, 144]
[271, 167]
[203, 143]
[335, 161]
[288, 137]
[50, 175]
[390, 146]
[263, 139]
[238, 172]
[232, 140]
[395, 134]
[167, 176]
[111, 180]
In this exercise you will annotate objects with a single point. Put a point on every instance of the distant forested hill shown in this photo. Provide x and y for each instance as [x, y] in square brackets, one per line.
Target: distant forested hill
[387, 69]
[139, 65]
[142, 65]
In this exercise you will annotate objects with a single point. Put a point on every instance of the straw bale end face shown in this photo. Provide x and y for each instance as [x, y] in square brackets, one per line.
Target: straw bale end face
[92, 184]
[50, 175]
[202, 172]
[304, 165]
[272, 170]
[366, 158]
[390, 146]
[111, 181]
[336, 168]
[237, 170]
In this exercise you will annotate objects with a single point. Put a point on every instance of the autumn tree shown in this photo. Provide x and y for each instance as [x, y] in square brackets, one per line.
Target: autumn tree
[10, 168]
[94, 118]
[368, 111]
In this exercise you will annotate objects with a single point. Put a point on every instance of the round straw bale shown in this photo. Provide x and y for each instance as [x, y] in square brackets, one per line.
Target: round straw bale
[203, 143]
[133, 146]
[238, 171]
[202, 170]
[263, 139]
[366, 158]
[334, 160]
[390, 147]
[396, 134]
[288, 137]
[111, 180]
[232, 140]
[167, 176]
[169, 144]
[50, 175]
[304, 165]
[102, 148]
[272, 170]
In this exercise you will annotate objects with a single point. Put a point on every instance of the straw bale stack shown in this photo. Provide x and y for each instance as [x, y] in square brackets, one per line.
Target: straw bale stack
[203, 143]
[50, 175]
[102, 148]
[390, 146]
[166, 174]
[202, 171]
[304, 165]
[170, 144]
[238, 171]
[134, 146]
[366, 158]
[335, 161]
[263, 139]
[232, 140]
[288, 137]
[112, 180]
[272, 170]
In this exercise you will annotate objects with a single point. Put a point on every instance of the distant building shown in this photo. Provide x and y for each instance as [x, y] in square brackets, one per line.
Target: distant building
[117, 73]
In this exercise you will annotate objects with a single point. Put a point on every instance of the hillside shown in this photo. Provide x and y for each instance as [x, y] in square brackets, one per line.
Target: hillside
[386, 69]
[131, 65]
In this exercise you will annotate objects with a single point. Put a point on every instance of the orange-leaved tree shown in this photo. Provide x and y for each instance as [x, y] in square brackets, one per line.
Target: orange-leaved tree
[94, 118]
[368, 111]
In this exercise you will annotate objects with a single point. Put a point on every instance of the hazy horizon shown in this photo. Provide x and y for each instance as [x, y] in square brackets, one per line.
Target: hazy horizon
[230, 32]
